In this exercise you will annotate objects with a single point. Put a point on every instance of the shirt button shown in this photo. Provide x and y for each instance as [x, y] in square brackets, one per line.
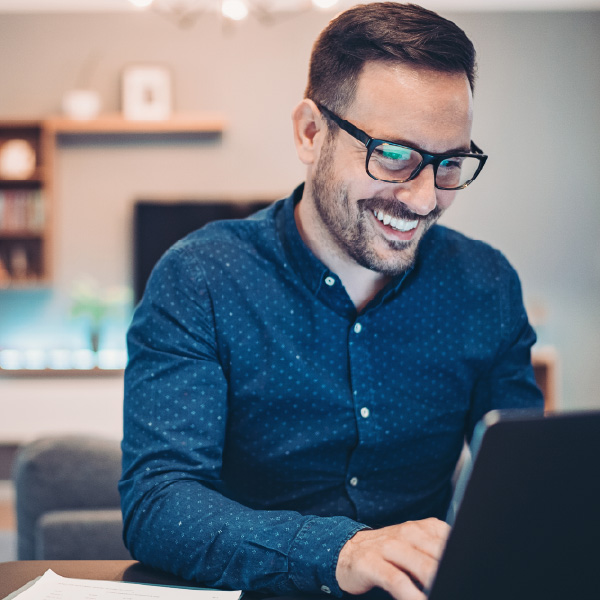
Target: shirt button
[325, 589]
[353, 482]
[357, 328]
[329, 281]
[365, 412]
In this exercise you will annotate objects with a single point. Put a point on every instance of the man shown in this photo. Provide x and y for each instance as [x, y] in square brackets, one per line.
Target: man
[300, 383]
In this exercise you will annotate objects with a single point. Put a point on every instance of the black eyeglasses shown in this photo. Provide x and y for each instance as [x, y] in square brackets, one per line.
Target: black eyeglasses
[396, 163]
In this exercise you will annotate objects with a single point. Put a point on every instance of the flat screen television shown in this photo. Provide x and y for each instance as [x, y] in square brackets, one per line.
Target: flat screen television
[158, 225]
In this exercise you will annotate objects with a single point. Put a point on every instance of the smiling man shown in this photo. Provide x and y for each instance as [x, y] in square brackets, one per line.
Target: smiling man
[301, 383]
[368, 202]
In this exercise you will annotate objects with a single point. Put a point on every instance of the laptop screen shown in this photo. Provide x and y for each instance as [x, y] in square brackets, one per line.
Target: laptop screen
[528, 519]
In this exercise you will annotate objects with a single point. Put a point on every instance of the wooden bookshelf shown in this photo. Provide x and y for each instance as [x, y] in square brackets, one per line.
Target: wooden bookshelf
[115, 124]
[26, 246]
[25, 231]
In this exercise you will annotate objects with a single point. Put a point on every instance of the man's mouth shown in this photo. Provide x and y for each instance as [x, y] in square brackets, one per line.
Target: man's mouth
[395, 223]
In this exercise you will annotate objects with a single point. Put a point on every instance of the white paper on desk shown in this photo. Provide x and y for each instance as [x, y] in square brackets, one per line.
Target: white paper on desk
[54, 587]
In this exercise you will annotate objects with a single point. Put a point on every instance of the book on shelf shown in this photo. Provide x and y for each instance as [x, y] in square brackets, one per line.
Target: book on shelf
[21, 210]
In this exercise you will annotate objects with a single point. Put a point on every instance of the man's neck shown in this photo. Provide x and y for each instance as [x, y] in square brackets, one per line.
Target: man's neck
[361, 284]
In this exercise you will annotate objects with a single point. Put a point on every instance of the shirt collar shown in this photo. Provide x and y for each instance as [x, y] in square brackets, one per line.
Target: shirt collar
[313, 272]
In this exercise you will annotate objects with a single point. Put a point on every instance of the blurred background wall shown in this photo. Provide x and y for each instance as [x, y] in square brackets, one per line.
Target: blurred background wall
[537, 116]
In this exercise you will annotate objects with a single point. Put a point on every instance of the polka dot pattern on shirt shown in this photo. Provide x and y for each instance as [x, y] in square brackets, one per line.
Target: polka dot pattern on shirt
[266, 421]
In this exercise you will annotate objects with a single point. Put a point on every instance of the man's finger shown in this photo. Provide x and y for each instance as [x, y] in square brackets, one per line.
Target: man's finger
[395, 582]
[429, 536]
[420, 565]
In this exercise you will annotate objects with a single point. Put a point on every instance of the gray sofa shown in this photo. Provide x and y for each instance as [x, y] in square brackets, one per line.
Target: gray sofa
[66, 499]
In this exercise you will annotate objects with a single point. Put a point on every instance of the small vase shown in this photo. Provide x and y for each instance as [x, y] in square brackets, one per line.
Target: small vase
[95, 340]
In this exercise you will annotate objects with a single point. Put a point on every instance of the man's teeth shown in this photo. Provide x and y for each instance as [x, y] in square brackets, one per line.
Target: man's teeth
[398, 224]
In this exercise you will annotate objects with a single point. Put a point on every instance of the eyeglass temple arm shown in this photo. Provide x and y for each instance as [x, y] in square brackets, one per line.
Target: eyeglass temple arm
[354, 131]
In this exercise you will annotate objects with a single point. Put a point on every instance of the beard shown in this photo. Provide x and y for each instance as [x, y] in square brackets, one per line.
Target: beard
[350, 227]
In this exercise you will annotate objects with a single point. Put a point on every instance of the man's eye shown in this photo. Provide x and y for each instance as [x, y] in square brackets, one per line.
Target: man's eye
[452, 163]
[395, 153]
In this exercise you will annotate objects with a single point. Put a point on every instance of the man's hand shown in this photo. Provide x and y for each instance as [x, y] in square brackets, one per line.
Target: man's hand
[401, 559]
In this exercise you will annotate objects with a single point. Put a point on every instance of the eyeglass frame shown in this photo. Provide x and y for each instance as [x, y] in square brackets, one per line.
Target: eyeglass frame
[428, 158]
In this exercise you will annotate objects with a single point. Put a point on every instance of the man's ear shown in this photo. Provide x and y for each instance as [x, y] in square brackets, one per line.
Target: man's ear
[309, 130]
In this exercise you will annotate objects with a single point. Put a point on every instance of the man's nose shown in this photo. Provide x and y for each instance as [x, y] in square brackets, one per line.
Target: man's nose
[419, 194]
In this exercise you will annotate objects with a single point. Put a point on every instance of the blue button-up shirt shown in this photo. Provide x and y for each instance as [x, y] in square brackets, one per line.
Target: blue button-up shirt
[266, 421]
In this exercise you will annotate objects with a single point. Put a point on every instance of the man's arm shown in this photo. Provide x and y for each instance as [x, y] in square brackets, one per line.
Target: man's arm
[177, 516]
[509, 382]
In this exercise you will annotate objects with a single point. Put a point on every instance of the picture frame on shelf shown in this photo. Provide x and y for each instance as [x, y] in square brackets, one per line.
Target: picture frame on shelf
[146, 93]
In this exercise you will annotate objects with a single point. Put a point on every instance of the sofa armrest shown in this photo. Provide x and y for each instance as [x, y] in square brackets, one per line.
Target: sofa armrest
[62, 473]
[81, 535]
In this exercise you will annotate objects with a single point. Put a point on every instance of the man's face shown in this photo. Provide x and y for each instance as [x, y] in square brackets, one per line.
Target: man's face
[426, 110]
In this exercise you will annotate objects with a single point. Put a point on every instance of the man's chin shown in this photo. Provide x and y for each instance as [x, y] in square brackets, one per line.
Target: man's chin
[391, 261]
[397, 266]
[395, 257]
[381, 254]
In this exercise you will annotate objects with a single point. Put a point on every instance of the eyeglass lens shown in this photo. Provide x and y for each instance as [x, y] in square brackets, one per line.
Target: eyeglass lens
[392, 162]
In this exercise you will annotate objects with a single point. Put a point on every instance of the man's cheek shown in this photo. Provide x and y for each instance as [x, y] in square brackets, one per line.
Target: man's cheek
[445, 199]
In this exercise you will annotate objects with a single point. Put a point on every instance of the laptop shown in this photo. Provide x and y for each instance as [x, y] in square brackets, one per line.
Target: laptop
[527, 526]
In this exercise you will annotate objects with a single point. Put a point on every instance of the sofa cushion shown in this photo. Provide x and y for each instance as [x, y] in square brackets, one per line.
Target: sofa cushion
[63, 473]
[81, 534]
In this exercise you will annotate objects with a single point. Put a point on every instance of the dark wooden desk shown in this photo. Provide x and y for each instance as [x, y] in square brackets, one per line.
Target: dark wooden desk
[14, 575]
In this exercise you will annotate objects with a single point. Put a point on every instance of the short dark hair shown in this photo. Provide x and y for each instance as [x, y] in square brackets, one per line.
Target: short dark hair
[383, 31]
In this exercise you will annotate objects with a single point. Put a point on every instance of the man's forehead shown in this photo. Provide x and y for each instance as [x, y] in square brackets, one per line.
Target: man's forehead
[400, 102]
[392, 82]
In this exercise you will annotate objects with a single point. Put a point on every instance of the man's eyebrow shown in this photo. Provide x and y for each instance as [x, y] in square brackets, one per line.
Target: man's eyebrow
[458, 149]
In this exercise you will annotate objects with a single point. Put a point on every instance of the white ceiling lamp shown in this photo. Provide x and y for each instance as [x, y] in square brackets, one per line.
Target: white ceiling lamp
[183, 12]
[324, 4]
[237, 10]
[186, 12]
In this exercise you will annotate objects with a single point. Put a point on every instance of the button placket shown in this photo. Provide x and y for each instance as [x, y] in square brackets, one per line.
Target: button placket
[361, 412]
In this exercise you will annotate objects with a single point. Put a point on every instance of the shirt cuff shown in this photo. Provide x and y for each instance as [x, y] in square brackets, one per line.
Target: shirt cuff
[315, 550]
